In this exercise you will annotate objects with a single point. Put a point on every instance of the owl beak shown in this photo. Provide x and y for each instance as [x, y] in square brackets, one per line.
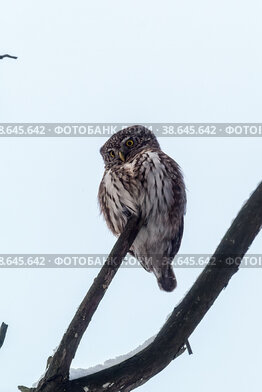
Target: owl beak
[121, 156]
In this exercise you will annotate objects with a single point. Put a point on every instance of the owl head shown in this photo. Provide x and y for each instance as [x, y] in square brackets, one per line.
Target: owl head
[125, 144]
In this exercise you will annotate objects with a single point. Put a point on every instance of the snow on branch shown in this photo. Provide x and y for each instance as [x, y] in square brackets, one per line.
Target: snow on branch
[79, 372]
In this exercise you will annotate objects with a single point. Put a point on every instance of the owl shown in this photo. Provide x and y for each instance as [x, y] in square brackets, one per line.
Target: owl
[140, 178]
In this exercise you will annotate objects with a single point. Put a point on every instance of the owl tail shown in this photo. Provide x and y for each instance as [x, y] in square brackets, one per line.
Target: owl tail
[166, 278]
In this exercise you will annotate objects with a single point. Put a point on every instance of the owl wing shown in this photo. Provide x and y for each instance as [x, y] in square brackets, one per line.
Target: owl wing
[178, 209]
[179, 193]
[162, 200]
[161, 185]
[176, 242]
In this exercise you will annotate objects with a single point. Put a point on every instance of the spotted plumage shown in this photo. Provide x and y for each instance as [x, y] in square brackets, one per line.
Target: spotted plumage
[140, 178]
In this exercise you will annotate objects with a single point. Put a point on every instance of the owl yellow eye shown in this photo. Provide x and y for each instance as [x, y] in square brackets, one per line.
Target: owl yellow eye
[129, 143]
[112, 154]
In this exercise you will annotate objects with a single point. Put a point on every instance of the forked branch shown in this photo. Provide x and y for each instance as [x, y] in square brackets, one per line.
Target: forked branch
[225, 262]
[138, 369]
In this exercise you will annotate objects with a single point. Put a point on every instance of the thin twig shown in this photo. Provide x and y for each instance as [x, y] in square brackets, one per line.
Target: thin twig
[188, 347]
[7, 55]
[3, 330]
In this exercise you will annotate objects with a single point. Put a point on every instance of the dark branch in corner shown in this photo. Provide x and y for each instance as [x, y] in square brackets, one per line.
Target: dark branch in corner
[3, 330]
[172, 337]
[58, 369]
[7, 55]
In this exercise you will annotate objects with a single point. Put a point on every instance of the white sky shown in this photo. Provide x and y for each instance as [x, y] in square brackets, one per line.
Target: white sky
[134, 62]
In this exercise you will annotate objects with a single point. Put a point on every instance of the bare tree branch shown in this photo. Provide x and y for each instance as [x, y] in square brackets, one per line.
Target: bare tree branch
[3, 330]
[172, 337]
[58, 369]
[7, 55]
